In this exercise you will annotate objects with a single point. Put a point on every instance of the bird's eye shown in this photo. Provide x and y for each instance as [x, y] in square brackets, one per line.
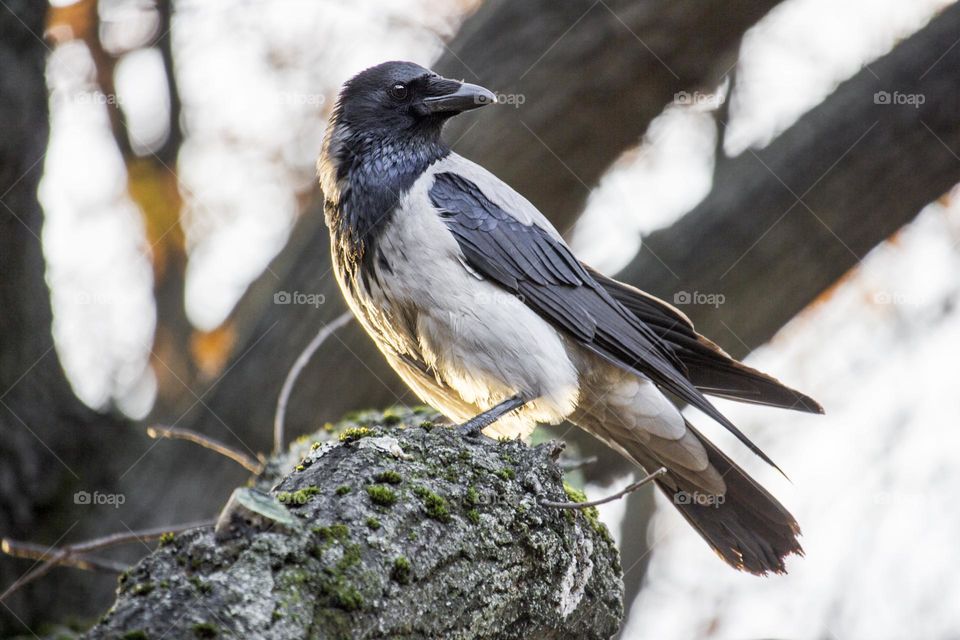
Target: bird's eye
[399, 91]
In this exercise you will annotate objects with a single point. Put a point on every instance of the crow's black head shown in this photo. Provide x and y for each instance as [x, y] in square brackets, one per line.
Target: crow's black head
[405, 97]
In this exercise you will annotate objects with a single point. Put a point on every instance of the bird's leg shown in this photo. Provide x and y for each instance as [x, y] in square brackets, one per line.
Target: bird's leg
[481, 421]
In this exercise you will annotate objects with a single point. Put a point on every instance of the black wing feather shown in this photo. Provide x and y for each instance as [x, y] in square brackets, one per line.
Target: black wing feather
[709, 367]
[541, 270]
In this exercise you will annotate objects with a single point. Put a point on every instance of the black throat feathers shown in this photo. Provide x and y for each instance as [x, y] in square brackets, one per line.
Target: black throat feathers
[373, 174]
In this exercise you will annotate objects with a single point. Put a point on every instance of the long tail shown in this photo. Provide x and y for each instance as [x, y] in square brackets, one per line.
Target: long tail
[739, 519]
[746, 526]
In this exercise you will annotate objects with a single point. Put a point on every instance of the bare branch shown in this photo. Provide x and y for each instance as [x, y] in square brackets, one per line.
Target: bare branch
[33, 551]
[302, 360]
[57, 556]
[176, 433]
[593, 503]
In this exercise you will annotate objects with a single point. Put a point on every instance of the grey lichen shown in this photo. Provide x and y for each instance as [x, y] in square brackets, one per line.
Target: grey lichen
[462, 549]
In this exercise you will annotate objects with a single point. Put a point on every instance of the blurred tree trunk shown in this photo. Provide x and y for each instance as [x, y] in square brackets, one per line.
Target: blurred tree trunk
[49, 441]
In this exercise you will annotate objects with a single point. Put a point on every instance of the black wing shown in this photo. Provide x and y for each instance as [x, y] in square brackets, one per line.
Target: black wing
[709, 367]
[548, 278]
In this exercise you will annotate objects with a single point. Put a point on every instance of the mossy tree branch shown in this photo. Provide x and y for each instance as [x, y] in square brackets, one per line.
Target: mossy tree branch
[396, 528]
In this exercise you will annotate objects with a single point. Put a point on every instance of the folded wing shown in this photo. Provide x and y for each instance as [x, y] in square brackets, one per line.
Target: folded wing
[535, 265]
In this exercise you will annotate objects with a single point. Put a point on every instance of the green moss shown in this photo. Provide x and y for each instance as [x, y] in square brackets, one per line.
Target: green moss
[167, 538]
[142, 588]
[426, 425]
[505, 474]
[346, 597]
[342, 490]
[472, 498]
[137, 634]
[351, 556]
[379, 494]
[452, 475]
[574, 494]
[298, 497]
[205, 630]
[401, 571]
[200, 585]
[391, 419]
[474, 516]
[373, 523]
[354, 433]
[389, 477]
[339, 532]
[591, 514]
[435, 505]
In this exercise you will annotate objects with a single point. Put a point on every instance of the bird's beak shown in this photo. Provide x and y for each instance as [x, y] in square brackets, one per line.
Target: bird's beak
[457, 97]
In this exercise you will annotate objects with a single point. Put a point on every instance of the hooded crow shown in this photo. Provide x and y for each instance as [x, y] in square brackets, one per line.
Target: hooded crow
[481, 307]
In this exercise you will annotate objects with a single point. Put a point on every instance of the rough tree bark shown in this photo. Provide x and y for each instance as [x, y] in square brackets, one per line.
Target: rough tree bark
[400, 531]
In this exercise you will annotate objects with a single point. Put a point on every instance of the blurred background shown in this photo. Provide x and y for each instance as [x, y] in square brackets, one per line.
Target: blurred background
[782, 171]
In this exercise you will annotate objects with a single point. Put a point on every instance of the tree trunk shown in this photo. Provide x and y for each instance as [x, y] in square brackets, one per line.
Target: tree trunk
[401, 531]
[49, 441]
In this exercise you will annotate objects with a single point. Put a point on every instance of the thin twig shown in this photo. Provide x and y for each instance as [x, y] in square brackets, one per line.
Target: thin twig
[593, 503]
[176, 433]
[302, 360]
[57, 556]
[33, 551]
[572, 464]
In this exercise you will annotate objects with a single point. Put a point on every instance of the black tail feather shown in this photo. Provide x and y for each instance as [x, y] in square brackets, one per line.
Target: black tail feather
[747, 526]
